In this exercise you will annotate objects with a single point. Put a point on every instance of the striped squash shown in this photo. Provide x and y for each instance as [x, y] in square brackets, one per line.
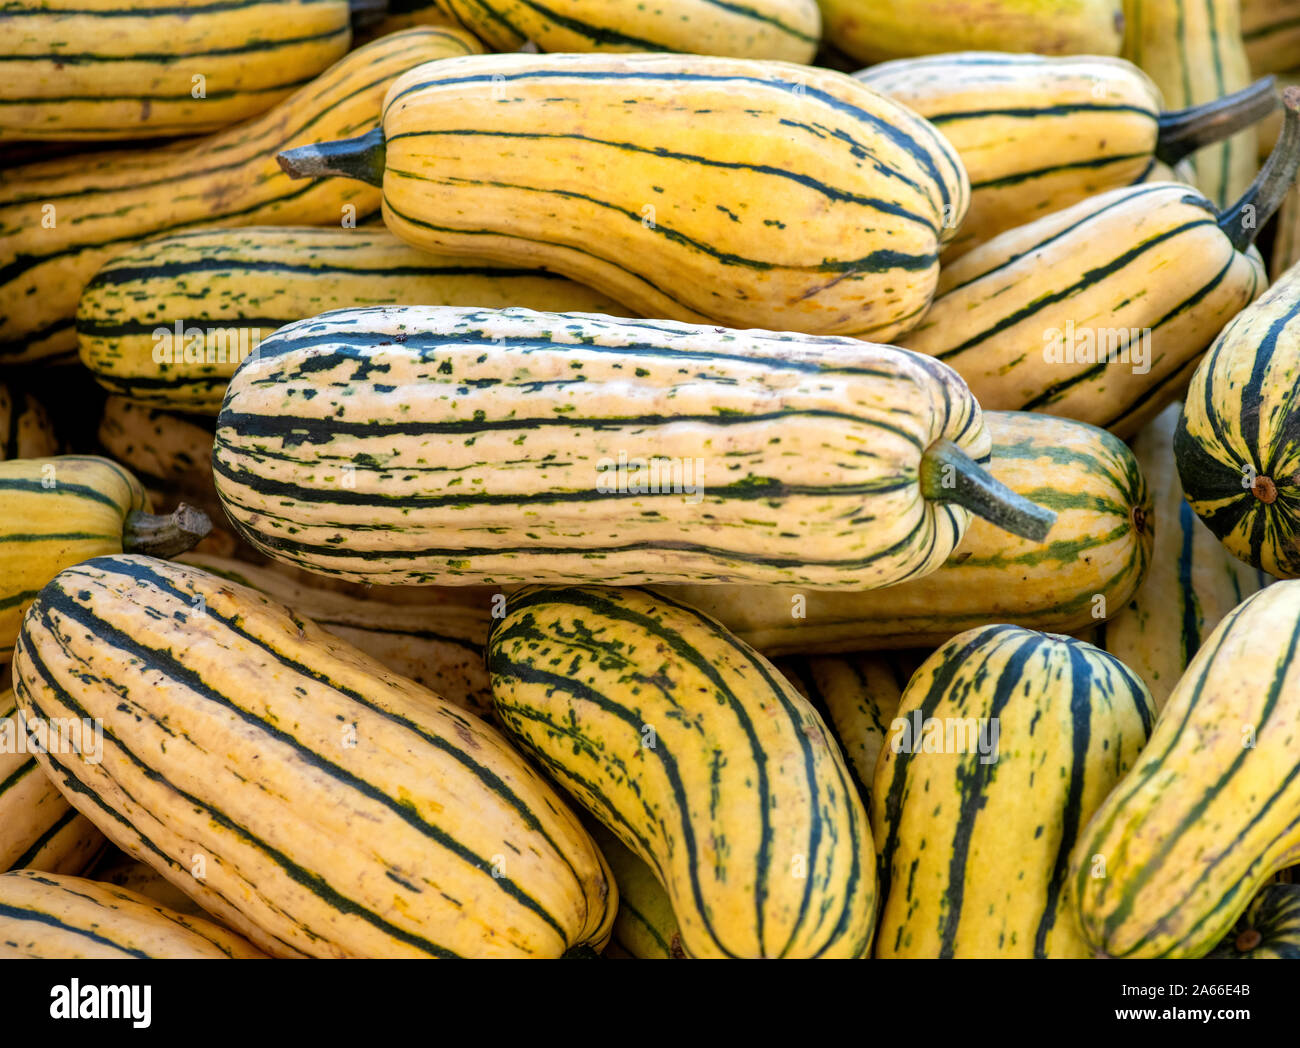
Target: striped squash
[1271, 31]
[1037, 134]
[58, 511]
[1236, 446]
[1212, 809]
[698, 189]
[700, 757]
[1192, 581]
[1268, 930]
[95, 69]
[44, 915]
[65, 218]
[39, 830]
[240, 732]
[788, 30]
[1193, 49]
[1100, 312]
[1089, 565]
[117, 868]
[1005, 743]
[858, 698]
[25, 427]
[438, 644]
[872, 31]
[167, 322]
[646, 928]
[457, 446]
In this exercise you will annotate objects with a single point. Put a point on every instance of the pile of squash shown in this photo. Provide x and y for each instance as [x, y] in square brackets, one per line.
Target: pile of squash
[802, 478]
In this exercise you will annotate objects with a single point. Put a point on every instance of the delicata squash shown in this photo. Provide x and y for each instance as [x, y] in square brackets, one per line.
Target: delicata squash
[339, 810]
[435, 445]
[748, 193]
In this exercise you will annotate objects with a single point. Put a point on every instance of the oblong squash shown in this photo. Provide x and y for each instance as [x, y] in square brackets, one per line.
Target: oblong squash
[1271, 32]
[65, 218]
[44, 915]
[339, 810]
[94, 69]
[167, 322]
[785, 29]
[698, 189]
[1192, 581]
[1005, 743]
[1101, 311]
[432, 445]
[1212, 809]
[1089, 565]
[1038, 133]
[700, 757]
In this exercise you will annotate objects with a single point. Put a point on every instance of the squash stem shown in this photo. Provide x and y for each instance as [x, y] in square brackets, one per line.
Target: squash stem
[1184, 131]
[361, 158]
[1242, 222]
[948, 474]
[165, 536]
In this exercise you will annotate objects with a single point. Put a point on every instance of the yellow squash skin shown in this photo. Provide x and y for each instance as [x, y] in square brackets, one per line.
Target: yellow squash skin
[1271, 31]
[700, 757]
[858, 697]
[788, 30]
[91, 69]
[234, 287]
[39, 830]
[1212, 809]
[44, 915]
[339, 810]
[1100, 273]
[438, 643]
[974, 851]
[1098, 547]
[646, 927]
[1193, 50]
[63, 219]
[751, 194]
[66, 509]
[25, 427]
[878, 30]
[1035, 133]
[1192, 581]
